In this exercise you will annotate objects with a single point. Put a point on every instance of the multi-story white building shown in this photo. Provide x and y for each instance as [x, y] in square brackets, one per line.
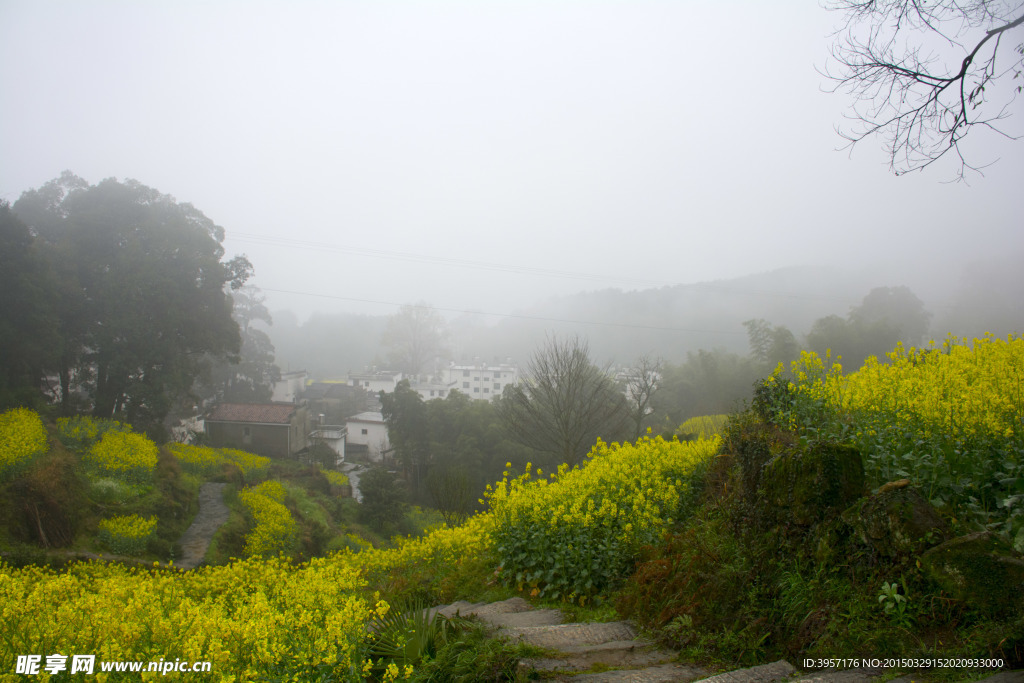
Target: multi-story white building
[481, 381]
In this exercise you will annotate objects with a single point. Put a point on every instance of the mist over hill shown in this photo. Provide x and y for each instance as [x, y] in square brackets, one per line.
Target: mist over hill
[675, 320]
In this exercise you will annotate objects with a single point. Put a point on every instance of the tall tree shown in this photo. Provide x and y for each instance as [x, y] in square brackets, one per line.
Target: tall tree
[29, 342]
[408, 431]
[642, 382]
[415, 336]
[771, 344]
[249, 376]
[887, 315]
[925, 74]
[142, 292]
[564, 403]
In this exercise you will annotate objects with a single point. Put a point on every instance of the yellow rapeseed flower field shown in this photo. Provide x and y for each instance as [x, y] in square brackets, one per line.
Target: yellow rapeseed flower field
[22, 437]
[121, 455]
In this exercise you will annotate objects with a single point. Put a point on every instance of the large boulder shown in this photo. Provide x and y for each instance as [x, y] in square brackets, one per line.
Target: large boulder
[805, 486]
[981, 569]
[897, 521]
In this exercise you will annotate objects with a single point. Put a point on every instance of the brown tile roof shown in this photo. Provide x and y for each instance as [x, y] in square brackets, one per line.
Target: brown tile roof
[264, 413]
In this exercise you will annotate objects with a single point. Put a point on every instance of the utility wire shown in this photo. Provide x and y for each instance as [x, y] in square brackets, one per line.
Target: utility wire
[508, 268]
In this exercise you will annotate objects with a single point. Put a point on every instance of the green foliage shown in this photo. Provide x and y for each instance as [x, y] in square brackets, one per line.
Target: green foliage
[80, 432]
[948, 419]
[140, 294]
[472, 654]
[885, 317]
[579, 534]
[205, 461]
[707, 383]
[29, 334]
[384, 500]
[894, 604]
[406, 636]
[127, 535]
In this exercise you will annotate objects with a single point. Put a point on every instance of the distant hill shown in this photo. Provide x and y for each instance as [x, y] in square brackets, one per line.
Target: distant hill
[670, 321]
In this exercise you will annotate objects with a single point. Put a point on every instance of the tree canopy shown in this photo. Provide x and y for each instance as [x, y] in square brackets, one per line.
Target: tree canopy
[564, 403]
[141, 293]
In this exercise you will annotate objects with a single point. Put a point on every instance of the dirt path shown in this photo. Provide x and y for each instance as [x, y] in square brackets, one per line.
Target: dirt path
[212, 514]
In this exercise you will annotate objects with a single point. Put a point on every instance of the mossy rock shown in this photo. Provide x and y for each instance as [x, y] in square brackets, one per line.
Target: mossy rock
[897, 521]
[807, 486]
[980, 569]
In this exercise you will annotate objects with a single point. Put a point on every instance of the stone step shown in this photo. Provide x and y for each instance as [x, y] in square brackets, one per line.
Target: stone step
[562, 636]
[766, 673]
[624, 654]
[660, 673]
[511, 613]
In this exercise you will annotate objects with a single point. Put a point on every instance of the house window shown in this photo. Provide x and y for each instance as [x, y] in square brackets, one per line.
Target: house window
[476, 390]
[497, 386]
[465, 373]
[465, 385]
[246, 435]
[486, 390]
[365, 432]
[476, 379]
[497, 375]
[431, 392]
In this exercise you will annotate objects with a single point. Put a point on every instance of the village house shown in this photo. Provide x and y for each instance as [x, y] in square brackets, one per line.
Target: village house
[367, 436]
[482, 381]
[275, 430]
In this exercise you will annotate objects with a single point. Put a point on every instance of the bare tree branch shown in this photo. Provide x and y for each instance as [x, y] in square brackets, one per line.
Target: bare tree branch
[916, 102]
[563, 403]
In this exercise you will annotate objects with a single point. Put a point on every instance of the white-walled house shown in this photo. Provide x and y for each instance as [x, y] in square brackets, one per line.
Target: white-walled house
[374, 382]
[431, 390]
[289, 388]
[482, 382]
[368, 430]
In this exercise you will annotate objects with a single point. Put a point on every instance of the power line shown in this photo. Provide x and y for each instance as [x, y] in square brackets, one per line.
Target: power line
[270, 240]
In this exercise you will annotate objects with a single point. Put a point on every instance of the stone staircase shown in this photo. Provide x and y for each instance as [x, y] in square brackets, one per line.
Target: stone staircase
[613, 652]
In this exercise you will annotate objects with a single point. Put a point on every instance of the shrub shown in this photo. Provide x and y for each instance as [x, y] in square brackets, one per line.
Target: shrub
[205, 461]
[127, 535]
[253, 466]
[947, 418]
[22, 437]
[109, 491]
[126, 456]
[274, 529]
[580, 532]
[80, 432]
[335, 478]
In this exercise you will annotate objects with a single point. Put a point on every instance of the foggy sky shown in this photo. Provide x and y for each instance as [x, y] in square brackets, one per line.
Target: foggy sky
[485, 155]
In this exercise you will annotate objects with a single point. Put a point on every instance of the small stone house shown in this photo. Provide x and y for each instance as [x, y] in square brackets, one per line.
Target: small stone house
[274, 430]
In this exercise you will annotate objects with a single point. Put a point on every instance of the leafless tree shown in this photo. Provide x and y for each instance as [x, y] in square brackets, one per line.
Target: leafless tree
[925, 74]
[564, 403]
[414, 336]
[642, 381]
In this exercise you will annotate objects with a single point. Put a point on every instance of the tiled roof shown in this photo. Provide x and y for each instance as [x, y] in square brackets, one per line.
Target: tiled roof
[264, 413]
